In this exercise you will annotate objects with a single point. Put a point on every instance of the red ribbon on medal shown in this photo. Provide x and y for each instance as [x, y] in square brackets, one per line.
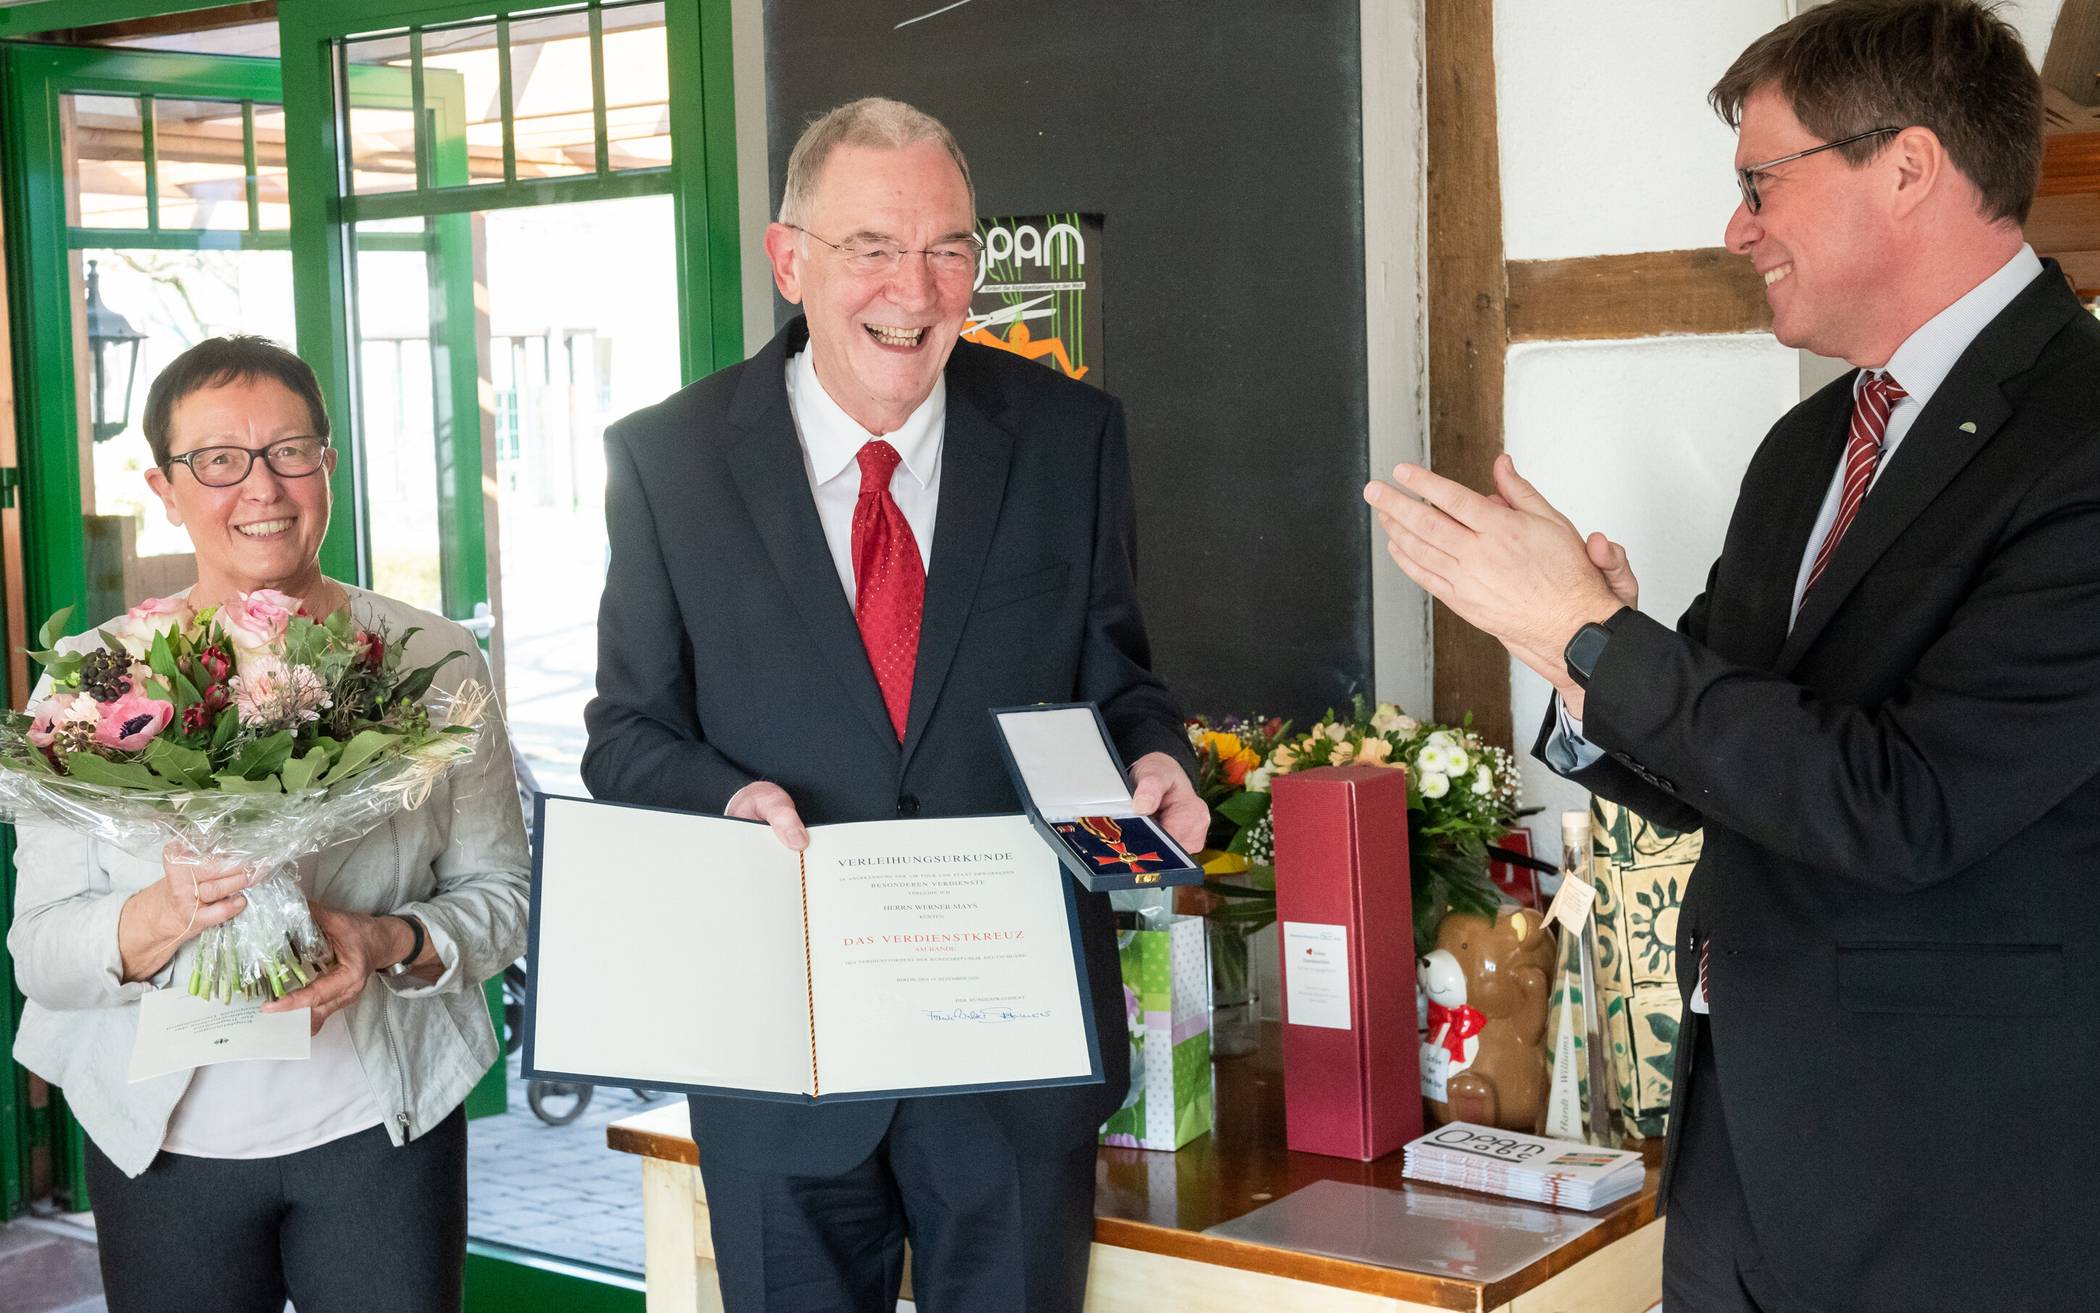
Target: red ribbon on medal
[1108, 832]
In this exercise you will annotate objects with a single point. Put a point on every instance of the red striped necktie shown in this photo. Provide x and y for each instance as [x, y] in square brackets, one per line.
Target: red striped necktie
[889, 581]
[1870, 424]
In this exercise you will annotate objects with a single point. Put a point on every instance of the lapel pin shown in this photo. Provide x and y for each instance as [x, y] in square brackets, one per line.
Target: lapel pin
[1968, 426]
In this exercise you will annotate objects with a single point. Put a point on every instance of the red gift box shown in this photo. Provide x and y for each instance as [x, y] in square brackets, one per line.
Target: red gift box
[1352, 1084]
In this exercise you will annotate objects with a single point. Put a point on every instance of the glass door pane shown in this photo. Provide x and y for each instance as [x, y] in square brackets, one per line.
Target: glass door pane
[555, 360]
[492, 346]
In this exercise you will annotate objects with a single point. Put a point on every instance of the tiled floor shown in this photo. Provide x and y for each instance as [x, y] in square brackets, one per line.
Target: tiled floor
[48, 1266]
[557, 1189]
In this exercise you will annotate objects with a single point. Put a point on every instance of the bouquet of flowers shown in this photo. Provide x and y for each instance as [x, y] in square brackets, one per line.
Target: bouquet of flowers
[251, 732]
[1461, 796]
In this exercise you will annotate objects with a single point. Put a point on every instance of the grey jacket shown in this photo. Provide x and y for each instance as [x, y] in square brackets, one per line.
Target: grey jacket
[458, 864]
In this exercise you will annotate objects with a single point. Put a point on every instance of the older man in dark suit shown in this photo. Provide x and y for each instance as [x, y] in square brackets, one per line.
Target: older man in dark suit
[1884, 709]
[828, 564]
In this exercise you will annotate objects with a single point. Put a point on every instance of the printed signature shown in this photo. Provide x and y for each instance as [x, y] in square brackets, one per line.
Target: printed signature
[987, 1015]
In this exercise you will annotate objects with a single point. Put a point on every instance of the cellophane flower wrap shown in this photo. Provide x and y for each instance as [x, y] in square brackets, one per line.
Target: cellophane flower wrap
[252, 733]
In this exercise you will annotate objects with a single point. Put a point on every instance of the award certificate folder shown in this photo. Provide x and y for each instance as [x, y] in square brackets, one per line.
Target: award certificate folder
[889, 958]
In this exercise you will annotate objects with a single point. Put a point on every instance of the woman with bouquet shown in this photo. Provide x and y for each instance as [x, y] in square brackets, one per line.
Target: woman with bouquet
[339, 1181]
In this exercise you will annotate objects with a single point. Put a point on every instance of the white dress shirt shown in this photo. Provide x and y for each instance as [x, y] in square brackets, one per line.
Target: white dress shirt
[831, 443]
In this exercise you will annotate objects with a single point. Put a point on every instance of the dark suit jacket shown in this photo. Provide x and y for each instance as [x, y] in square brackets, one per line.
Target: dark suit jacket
[728, 653]
[1901, 801]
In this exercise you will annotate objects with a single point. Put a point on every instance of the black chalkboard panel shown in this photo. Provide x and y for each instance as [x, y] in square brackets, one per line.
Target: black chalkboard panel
[1219, 141]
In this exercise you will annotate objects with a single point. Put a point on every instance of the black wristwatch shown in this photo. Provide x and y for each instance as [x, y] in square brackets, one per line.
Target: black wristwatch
[1586, 649]
[415, 947]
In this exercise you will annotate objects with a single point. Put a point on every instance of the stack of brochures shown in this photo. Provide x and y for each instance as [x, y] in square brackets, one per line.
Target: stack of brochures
[1559, 1172]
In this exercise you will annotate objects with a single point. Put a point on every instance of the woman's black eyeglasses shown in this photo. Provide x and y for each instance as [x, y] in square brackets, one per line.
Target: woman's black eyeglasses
[222, 467]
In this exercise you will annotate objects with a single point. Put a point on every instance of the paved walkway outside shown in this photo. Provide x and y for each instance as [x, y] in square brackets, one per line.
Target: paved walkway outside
[557, 1189]
[48, 1265]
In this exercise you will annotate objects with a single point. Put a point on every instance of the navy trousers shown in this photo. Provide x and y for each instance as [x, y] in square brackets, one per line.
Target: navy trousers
[988, 1229]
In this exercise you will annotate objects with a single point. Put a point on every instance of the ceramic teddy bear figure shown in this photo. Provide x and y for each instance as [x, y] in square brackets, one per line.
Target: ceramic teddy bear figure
[1486, 983]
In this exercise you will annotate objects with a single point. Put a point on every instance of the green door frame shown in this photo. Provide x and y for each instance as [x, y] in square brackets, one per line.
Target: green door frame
[40, 292]
[701, 181]
[40, 287]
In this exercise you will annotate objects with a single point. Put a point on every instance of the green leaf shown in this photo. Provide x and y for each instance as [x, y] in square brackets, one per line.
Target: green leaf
[91, 769]
[161, 657]
[360, 752]
[300, 772]
[231, 783]
[417, 682]
[54, 628]
[174, 762]
[186, 694]
[223, 729]
[1245, 808]
[261, 757]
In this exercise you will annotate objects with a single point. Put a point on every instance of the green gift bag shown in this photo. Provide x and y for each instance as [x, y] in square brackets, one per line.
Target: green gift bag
[1167, 1000]
[1641, 871]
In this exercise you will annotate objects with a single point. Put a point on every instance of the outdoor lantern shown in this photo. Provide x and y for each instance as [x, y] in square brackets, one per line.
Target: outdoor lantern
[115, 345]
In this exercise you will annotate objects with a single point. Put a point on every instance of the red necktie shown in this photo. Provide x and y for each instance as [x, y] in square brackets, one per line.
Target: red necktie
[889, 581]
[1870, 422]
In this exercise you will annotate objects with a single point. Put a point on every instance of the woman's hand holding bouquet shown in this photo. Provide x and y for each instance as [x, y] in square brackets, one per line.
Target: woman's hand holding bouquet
[237, 739]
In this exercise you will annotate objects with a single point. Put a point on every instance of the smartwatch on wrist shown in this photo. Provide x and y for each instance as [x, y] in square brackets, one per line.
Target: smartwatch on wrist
[1587, 648]
[415, 947]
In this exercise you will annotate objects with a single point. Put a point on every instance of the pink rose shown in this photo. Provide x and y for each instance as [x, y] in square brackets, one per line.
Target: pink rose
[133, 721]
[139, 626]
[255, 624]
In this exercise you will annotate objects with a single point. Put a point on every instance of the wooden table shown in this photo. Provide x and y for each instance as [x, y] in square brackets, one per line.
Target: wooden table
[1151, 1252]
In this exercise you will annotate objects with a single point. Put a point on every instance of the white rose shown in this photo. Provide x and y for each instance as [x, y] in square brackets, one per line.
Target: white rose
[1386, 718]
[1257, 780]
[137, 628]
[1435, 785]
[1336, 732]
[1406, 724]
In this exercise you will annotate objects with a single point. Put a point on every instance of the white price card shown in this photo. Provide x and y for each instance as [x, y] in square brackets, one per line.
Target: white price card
[1571, 906]
[178, 1032]
[1316, 974]
[1436, 1073]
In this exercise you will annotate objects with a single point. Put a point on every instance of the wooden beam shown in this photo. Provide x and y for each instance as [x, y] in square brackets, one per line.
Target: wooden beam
[233, 15]
[1468, 330]
[2082, 268]
[2064, 223]
[1644, 295]
[2070, 164]
[2072, 65]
